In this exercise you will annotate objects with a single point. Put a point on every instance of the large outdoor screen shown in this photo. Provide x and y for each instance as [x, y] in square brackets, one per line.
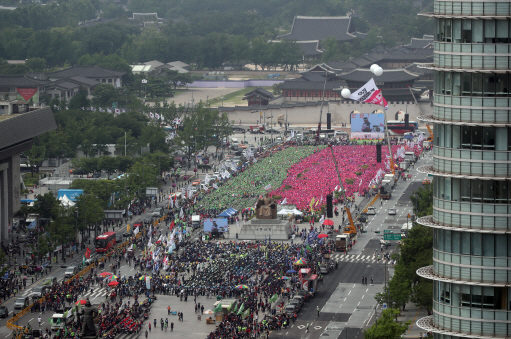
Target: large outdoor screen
[219, 223]
[369, 126]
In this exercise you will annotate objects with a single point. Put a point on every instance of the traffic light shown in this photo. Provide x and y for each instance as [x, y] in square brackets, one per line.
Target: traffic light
[378, 152]
[329, 207]
[329, 120]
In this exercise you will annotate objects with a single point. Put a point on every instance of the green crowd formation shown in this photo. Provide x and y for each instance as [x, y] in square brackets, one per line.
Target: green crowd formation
[241, 191]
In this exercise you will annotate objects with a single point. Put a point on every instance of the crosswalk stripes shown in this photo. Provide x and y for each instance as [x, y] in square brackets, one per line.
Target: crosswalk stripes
[96, 293]
[357, 258]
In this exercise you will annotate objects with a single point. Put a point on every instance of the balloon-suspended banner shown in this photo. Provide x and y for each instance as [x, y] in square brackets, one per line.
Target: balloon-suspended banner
[369, 93]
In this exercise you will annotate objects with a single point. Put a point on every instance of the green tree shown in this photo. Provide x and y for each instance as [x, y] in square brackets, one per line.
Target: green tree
[46, 206]
[387, 327]
[331, 50]
[36, 64]
[90, 211]
[104, 95]
[35, 156]
[79, 100]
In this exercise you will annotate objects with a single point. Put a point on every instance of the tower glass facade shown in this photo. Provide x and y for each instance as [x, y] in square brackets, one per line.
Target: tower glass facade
[471, 269]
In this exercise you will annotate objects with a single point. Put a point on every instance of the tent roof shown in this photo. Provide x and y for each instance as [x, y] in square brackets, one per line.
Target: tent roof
[228, 212]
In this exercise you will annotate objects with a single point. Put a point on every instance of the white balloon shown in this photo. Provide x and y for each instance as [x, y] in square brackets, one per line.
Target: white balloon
[373, 67]
[346, 93]
[378, 71]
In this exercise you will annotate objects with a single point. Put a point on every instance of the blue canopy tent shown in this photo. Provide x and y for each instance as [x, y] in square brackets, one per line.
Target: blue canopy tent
[228, 213]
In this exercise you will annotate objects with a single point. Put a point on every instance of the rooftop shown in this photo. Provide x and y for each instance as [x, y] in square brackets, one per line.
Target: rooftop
[308, 28]
[86, 71]
[389, 75]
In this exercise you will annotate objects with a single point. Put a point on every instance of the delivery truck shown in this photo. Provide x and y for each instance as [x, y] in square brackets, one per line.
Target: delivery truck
[341, 242]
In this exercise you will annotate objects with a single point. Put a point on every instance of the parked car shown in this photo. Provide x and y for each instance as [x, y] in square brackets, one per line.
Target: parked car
[21, 303]
[323, 270]
[392, 211]
[290, 309]
[238, 129]
[371, 210]
[272, 131]
[4, 312]
[70, 271]
[297, 303]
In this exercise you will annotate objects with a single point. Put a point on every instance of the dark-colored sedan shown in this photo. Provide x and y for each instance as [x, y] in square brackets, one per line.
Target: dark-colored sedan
[4, 312]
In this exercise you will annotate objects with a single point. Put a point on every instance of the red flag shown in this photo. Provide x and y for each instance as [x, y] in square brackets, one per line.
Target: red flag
[87, 253]
[171, 225]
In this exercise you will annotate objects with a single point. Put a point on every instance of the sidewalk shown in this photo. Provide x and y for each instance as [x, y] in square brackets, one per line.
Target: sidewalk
[413, 313]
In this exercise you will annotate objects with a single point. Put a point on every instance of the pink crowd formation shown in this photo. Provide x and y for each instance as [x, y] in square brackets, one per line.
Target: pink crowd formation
[316, 176]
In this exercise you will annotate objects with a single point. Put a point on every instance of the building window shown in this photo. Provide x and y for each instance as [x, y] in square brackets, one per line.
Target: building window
[477, 191]
[472, 31]
[103, 80]
[109, 81]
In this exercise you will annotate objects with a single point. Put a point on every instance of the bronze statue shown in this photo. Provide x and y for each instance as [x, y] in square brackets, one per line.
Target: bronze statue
[266, 208]
[89, 313]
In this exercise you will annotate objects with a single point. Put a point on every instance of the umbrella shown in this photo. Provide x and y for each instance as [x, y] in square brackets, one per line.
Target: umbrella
[285, 278]
[300, 261]
[81, 302]
[291, 271]
[113, 283]
[104, 274]
[409, 136]
[239, 287]
[328, 222]
[323, 236]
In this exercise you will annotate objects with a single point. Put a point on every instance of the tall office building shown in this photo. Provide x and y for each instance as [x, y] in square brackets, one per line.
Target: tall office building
[471, 219]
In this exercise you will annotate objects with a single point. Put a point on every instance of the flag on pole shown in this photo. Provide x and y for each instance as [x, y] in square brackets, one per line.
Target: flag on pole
[369, 93]
[87, 253]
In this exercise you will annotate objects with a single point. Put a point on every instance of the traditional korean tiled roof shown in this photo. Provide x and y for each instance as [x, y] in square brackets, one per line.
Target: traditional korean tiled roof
[308, 28]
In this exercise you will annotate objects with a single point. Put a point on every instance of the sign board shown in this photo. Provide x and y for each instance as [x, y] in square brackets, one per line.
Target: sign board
[113, 214]
[392, 236]
[387, 231]
[384, 306]
[114, 104]
[151, 191]
[219, 223]
[367, 126]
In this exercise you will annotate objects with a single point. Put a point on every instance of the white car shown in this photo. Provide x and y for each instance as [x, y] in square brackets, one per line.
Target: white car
[371, 211]
[392, 211]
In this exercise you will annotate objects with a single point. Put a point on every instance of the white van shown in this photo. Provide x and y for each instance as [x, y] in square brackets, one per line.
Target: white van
[196, 221]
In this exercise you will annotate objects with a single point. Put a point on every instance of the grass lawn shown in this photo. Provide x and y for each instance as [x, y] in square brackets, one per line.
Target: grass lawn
[234, 98]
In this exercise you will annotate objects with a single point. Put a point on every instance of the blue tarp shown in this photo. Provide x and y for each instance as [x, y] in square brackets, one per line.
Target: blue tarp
[28, 200]
[228, 213]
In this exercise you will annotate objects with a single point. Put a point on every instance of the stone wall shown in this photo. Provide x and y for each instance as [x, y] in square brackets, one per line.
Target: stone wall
[340, 112]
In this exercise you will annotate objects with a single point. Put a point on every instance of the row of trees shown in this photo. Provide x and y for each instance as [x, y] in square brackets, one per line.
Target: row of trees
[203, 37]
[416, 251]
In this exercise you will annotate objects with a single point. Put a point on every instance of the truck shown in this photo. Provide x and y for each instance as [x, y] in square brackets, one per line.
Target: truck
[61, 318]
[403, 165]
[405, 228]
[391, 178]
[410, 156]
[341, 242]
[386, 189]
[426, 144]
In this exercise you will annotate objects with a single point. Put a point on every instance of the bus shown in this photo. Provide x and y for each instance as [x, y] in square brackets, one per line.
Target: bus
[105, 242]
[398, 127]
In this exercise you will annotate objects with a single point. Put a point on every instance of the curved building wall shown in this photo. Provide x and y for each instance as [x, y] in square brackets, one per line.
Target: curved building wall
[471, 269]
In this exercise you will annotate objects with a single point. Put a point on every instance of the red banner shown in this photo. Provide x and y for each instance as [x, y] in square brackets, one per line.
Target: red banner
[27, 93]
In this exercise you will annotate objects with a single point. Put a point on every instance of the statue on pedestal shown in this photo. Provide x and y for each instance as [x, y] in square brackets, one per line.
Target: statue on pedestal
[266, 208]
[89, 313]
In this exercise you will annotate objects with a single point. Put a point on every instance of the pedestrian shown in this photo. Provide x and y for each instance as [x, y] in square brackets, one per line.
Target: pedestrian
[172, 327]
[149, 327]
[317, 308]
[168, 310]
[307, 328]
[371, 280]
[39, 321]
[146, 334]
